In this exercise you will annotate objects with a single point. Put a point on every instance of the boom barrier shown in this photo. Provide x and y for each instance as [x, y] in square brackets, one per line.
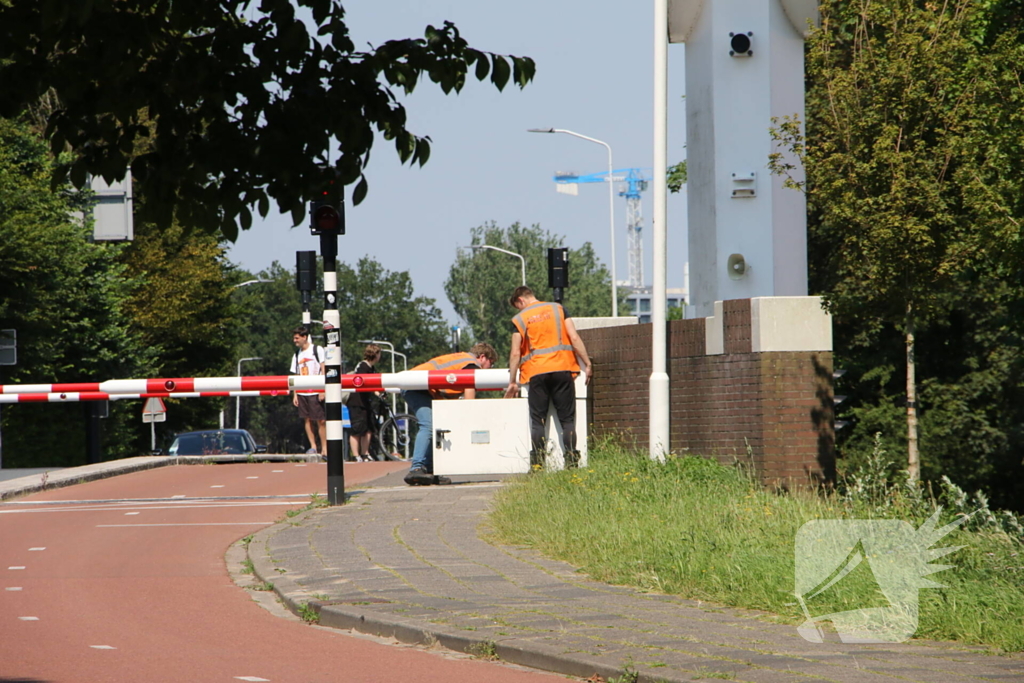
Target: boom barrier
[190, 387]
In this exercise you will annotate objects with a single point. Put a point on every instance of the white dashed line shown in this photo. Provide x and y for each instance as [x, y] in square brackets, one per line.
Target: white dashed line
[300, 465]
[130, 513]
[103, 647]
[29, 618]
[32, 549]
[278, 470]
[255, 679]
[217, 486]
[13, 588]
[252, 477]
[180, 495]
[15, 568]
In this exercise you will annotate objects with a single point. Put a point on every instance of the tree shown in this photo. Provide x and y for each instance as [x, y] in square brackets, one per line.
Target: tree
[481, 280]
[66, 298]
[909, 190]
[236, 109]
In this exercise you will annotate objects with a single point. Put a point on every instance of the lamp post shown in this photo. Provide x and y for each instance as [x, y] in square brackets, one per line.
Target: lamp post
[249, 282]
[238, 399]
[390, 349]
[611, 203]
[503, 251]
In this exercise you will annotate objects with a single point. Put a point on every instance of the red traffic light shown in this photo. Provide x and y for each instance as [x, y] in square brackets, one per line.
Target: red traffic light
[326, 218]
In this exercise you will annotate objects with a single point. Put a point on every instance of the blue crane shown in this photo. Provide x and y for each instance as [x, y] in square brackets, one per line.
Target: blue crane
[633, 183]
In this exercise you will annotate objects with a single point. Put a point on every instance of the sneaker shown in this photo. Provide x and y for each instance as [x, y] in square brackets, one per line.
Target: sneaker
[418, 476]
[312, 451]
[367, 458]
[441, 480]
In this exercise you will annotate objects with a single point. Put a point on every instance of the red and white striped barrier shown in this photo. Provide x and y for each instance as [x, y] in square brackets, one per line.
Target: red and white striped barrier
[483, 380]
[76, 396]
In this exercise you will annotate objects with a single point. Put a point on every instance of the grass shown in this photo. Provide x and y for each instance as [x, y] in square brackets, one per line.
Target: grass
[694, 528]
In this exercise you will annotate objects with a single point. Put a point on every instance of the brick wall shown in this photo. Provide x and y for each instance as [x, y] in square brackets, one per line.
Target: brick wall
[779, 404]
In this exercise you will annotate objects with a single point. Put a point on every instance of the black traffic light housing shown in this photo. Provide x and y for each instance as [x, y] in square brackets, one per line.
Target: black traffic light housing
[327, 210]
[558, 270]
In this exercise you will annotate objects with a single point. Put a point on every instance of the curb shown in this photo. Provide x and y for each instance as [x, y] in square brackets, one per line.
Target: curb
[361, 619]
[70, 476]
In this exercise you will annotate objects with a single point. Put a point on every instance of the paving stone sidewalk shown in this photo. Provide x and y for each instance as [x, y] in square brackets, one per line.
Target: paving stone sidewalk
[409, 563]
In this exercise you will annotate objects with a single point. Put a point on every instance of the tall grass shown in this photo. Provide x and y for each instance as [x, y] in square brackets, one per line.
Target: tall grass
[701, 530]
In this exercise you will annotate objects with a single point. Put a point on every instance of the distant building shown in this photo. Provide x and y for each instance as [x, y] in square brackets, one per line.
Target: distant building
[639, 302]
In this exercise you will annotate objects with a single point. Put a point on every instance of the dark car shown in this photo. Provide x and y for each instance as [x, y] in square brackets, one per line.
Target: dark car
[215, 442]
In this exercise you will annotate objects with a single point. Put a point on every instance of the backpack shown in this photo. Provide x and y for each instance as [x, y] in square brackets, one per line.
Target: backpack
[316, 354]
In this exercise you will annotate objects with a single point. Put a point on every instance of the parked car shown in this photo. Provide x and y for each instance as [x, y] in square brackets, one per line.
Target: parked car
[215, 442]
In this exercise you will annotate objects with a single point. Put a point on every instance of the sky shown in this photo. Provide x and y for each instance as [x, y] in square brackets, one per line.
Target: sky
[594, 77]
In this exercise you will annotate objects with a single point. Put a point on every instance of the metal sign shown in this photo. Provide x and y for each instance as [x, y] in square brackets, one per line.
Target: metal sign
[154, 411]
[8, 347]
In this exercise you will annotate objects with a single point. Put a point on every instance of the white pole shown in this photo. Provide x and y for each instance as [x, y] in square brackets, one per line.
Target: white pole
[659, 382]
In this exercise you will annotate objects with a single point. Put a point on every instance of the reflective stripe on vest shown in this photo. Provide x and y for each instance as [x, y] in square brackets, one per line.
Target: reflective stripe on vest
[451, 361]
[543, 358]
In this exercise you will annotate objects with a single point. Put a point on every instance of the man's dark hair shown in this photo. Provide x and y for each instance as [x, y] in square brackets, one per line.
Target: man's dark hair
[301, 330]
[520, 292]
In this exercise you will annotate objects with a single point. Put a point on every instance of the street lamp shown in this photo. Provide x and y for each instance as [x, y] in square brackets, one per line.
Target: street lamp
[238, 399]
[611, 202]
[249, 282]
[503, 251]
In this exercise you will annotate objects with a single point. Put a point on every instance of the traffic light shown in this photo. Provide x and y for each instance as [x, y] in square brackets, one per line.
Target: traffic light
[327, 210]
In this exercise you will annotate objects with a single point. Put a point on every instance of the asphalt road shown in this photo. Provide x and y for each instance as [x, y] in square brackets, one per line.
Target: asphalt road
[124, 579]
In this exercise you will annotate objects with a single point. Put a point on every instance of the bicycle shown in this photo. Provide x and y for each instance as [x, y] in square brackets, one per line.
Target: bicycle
[394, 434]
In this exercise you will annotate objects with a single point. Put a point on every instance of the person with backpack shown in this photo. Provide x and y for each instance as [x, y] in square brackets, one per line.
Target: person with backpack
[309, 360]
[362, 409]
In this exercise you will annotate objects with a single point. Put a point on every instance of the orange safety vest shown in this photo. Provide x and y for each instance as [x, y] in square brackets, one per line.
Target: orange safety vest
[451, 361]
[545, 346]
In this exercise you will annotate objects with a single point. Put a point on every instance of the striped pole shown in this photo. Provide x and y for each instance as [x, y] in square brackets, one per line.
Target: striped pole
[191, 387]
[332, 378]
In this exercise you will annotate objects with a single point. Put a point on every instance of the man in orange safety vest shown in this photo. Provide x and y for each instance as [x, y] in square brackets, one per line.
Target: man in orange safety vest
[420, 403]
[547, 353]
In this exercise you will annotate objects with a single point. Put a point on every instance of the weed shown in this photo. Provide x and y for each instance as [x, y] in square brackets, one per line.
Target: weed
[246, 540]
[629, 675]
[309, 614]
[247, 566]
[265, 586]
[704, 672]
[486, 649]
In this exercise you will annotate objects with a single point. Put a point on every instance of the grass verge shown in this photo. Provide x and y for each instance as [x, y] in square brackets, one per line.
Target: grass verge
[694, 528]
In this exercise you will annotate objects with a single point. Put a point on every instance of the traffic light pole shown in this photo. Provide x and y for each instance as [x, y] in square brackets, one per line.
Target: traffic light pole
[332, 380]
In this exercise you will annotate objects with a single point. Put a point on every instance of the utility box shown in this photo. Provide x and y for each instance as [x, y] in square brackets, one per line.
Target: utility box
[492, 436]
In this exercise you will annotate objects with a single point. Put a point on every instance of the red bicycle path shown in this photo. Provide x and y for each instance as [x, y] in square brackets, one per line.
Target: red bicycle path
[124, 579]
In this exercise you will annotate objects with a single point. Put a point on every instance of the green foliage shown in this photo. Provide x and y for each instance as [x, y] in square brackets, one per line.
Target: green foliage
[65, 296]
[911, 150]
[481, 281]
[237, 106]
[692, 527]
[677, 177]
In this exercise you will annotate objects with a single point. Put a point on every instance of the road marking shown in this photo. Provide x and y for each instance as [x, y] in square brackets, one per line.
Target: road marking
[278, 470]
[15, 567]
[13, 588]
[103, 647]
[180, 495]
[29, 618]
[130, 513]
[217, 486]
[31, 549]
[255, 679]
[187, 524]
[128, 501]
[252, 477]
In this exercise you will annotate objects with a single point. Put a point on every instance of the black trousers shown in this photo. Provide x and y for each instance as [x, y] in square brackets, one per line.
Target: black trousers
[560, 389]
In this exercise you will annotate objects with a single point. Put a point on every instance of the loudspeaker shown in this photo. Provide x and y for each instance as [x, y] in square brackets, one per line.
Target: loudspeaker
[736, 266]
